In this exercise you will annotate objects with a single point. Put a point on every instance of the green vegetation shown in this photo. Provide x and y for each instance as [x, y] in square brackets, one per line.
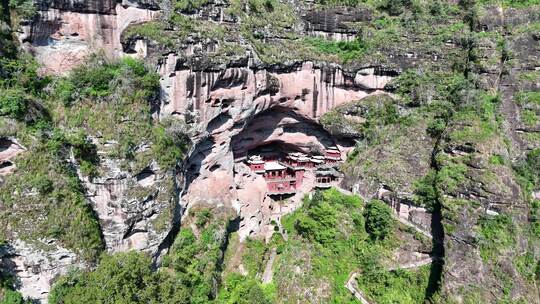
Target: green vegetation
[534, 217]
[115, 100]
[425, 190]
[496, 236]
[379, 220]
[512, 3]
[20, 89]
[451, 175]
[107, 106]
[528, 175]
[330, 254]
[153, 30]
[189, 6]
[99, 79]
[530, 118]
[253, 256]
[496, 159]
[195, 260]
[526, 97]
[239, 289]
[319, 221]
[173, 29]
[120, 278]
[24, 9]
[373, 114]
[344, 50]
[58, 208]
[399, 286]
[528, 171]
[528, 266]
[189, 273]
[395, 7]
[98, 102]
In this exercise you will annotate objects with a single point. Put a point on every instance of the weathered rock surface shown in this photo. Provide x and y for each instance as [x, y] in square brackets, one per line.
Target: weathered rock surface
[135, 210]
[332, 23]
[489, 190]
[239, 109]
[36, 269]
[309, 90]
[244, 104]
[9, 148]
[66, 32]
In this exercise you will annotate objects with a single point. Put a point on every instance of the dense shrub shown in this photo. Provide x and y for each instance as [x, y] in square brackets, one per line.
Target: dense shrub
[239, 289]
[12, 297]
[345, 50]
[496, 234]
[120, 278]
[13, 103]
[529, 170]
[253, 256]
[394, 7]
[25, 8]
[20, 89]
[425, 190]
[195, 259]
[319, 222]
[100, 80]
[379, 220]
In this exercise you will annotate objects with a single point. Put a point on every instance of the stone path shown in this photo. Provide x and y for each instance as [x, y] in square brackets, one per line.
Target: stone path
[412, 225]
[416, 264]
[268, 273]
[352, 286]
[401, 220]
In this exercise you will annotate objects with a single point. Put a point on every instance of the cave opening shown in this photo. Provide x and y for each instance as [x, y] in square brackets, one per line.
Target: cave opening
[292, 153]
[5, 164]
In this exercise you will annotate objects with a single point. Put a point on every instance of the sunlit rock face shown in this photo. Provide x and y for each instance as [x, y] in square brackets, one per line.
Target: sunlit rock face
[65, 32]
[333, 23]
[9, 148]
[36, 268]
[241, 108]
[307, 89]
[135, 210]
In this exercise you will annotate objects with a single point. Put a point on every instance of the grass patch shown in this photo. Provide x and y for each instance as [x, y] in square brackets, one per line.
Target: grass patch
[46, 200]
[326, 262]
[345, 50]
[496, 235]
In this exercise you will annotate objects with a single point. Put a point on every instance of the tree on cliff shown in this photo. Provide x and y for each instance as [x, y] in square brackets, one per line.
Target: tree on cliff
[379, 221]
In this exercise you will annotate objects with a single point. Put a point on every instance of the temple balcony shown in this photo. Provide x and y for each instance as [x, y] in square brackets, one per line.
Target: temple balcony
[281, 192]
[323, 185]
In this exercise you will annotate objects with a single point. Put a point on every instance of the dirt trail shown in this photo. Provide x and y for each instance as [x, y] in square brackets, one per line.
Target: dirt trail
[352, 286]
[268, 273]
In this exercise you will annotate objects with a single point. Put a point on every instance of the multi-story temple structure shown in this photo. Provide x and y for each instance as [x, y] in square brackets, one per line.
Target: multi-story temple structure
[284, 173]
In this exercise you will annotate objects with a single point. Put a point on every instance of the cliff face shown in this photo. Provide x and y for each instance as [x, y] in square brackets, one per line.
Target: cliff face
[490, 190]
[64, 32]
[136, 211]
[233, 108]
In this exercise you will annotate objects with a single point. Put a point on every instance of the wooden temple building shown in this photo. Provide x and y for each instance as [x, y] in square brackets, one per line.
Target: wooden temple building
[284, 173]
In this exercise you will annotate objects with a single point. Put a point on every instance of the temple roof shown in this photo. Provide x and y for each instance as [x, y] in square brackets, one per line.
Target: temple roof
[255, 159]
[273, 166]
[328, 171]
